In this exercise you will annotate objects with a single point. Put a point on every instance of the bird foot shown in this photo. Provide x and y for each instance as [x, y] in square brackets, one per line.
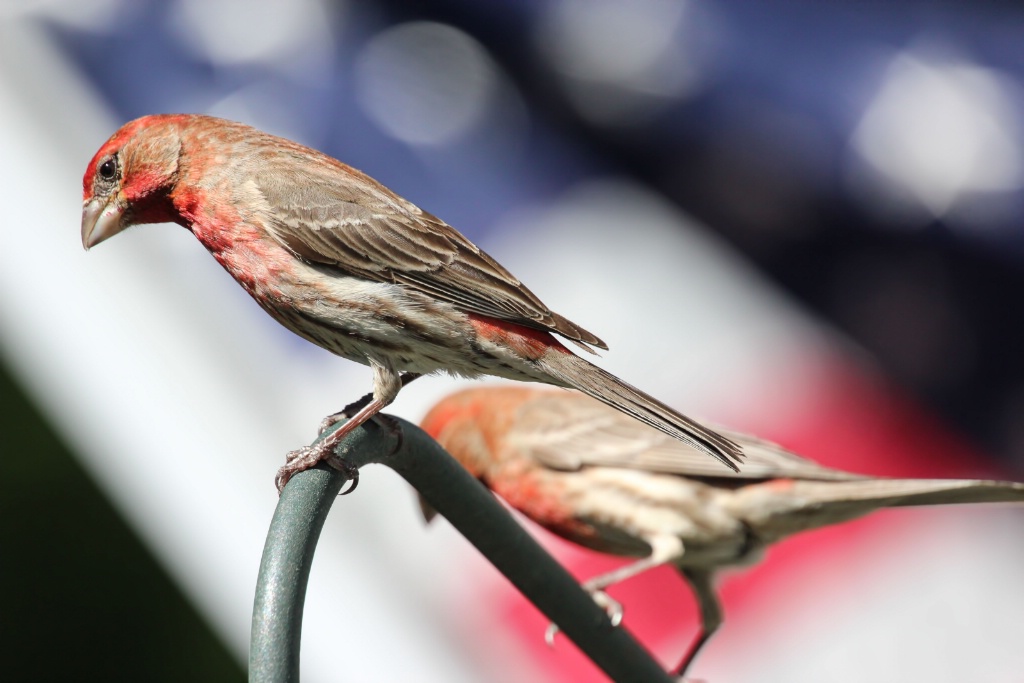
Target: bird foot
[308, 457]
[610, 605]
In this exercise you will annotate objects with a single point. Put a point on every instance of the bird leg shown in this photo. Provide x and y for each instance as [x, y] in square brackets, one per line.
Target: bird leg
[357, 405]
[386, 385]
[710, 613]
[664, 549]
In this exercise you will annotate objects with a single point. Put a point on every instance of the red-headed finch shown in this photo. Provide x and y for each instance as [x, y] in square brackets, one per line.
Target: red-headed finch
[349, 265]
[614, 485]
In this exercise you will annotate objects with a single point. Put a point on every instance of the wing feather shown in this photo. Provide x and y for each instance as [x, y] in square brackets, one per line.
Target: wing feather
[570, 434]
[358, 226]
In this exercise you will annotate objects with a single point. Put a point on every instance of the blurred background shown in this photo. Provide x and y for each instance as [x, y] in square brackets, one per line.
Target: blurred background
[801, 219]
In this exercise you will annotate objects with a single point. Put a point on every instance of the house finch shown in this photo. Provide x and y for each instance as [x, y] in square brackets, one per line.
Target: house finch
[349, 265]
[614, 485]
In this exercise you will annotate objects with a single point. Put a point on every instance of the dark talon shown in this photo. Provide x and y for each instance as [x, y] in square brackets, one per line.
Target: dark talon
[347, 469]
[296, 461]
[306, 458]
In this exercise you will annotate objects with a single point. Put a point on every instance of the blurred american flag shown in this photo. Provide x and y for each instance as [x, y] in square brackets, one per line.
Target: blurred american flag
[801, 220]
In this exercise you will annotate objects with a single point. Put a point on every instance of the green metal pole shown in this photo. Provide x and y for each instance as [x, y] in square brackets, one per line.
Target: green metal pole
[284, 572]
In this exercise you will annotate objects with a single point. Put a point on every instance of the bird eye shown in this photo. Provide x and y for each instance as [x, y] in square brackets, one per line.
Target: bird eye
[108, 169]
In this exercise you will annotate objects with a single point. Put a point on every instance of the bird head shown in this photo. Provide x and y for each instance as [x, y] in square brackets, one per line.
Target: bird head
[468, 425]
[130, 178]
[454, 423]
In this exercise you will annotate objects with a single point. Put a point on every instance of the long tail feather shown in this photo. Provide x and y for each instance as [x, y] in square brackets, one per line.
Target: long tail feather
[577, 373]
[779, 508]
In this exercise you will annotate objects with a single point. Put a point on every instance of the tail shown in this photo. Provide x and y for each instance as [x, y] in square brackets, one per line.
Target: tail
[574, 372]
[798, 505]
[908, 492]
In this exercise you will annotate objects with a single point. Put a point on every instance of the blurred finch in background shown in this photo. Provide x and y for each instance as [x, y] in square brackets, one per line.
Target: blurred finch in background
[347, 264]
[611, 484]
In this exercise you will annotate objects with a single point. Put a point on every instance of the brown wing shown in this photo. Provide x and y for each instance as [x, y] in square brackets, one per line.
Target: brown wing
[351, 222]
[570, 431]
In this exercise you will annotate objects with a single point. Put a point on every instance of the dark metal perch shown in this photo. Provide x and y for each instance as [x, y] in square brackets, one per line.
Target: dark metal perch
[303, 508]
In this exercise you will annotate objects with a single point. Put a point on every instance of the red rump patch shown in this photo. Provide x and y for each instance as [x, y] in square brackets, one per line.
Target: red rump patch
[525, 341]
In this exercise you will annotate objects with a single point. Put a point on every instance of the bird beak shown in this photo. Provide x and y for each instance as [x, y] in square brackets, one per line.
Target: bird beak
[427, 509]
[101, 219]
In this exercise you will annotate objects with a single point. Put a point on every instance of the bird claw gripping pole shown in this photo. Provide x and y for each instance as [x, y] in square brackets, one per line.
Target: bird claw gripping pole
[306, 457]
[302, 510]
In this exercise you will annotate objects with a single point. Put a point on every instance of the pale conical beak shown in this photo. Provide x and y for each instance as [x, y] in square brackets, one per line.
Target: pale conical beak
[101, 219]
